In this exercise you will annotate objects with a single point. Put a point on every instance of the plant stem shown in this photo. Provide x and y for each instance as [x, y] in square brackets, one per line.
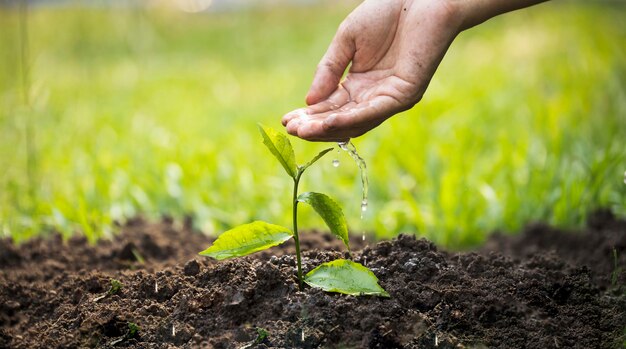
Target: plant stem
[296, 238]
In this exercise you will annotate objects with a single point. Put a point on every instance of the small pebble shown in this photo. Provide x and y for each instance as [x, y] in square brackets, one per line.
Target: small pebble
[410, 265]
[191, 268]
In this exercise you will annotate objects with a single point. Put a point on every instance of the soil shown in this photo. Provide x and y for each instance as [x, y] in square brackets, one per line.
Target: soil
[542, 288]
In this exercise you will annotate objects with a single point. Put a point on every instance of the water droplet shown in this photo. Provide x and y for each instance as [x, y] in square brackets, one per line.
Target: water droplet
[302, 335]
[336, 163]
[363, 236]
[363, 207]
[624, 177]
[173, 331]
[156, 286]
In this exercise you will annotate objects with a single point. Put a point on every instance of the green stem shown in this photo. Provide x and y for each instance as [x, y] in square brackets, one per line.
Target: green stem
[296, 238]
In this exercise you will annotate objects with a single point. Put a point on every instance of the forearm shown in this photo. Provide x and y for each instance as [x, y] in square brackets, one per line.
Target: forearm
[474, 12]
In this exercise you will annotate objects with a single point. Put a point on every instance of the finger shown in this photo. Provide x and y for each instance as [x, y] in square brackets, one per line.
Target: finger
[295, 124]
[292, 126]
[331, 67]
[337, 99]
[351, 121]
[301, 112]
[304, 131]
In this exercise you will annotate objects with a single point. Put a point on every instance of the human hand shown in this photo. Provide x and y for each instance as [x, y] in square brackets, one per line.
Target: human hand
[395, 47]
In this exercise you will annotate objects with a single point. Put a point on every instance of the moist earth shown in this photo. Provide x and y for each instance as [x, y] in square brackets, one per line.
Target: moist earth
[542, 288]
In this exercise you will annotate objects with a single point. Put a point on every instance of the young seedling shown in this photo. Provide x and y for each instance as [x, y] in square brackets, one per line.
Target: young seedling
[341, 275]
[132, 332]
[116, 286]
[261, 336]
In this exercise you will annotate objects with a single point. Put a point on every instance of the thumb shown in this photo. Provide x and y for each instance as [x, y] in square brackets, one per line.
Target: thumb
[331, 67]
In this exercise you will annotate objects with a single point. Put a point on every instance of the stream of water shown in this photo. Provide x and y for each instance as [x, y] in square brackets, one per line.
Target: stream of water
[351, 150]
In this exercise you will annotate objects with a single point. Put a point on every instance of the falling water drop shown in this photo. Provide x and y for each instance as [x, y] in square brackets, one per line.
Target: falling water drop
[624, 177]
[336, 163]
[351, 150]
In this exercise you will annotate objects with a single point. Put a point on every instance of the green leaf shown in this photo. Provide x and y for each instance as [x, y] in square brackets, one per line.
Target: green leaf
[347, 277]
[317, 157]
[246, 239]
[280, 146]
[331, 213]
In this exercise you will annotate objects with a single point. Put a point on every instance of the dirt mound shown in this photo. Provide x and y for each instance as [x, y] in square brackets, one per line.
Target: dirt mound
[550, 289]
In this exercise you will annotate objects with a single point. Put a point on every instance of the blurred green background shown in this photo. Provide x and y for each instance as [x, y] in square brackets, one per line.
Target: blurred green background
[148, 110]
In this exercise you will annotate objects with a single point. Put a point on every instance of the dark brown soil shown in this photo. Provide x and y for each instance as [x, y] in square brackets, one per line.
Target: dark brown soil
[544, 288]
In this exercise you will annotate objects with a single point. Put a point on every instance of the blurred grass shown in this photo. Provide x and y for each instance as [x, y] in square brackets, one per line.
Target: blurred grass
[154, 112]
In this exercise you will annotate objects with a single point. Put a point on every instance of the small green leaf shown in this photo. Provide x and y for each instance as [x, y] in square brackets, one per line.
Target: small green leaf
[133, 328]
[280, 146]
[261, 335]
[116, 286]
[246, 239]
[347, 277]
[317, 157]
[331, 213]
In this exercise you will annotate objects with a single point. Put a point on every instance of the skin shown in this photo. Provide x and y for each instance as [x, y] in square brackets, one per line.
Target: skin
[392, 48]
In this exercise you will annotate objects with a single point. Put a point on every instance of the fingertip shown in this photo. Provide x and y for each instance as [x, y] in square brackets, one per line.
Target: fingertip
[292, 131]
[307, 131]
[312, 98]
[292, 127]
[324, 83]
[295, 114]
[287, 118]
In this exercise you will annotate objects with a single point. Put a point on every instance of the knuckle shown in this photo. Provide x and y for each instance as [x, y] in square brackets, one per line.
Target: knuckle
[344, 28]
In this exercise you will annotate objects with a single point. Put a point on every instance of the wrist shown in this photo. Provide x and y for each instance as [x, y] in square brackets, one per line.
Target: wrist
[469, 13]
[451, 13]
[474, 12]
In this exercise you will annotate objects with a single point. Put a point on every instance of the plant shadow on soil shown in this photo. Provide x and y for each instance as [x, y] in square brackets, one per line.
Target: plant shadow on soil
[543, 288]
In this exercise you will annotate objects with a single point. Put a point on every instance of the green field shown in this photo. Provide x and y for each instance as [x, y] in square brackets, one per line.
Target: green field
[150, 111]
